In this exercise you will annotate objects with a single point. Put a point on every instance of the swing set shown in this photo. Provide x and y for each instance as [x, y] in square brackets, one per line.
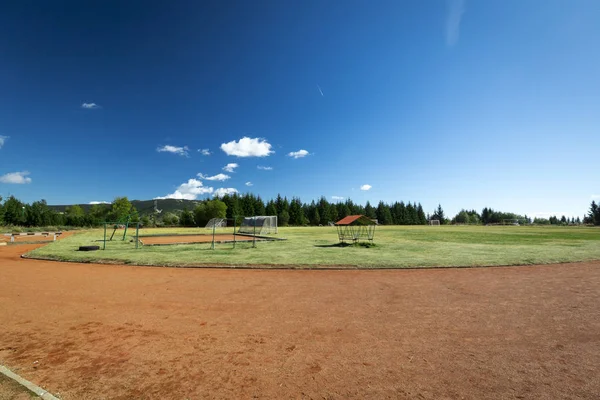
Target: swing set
[124, 224]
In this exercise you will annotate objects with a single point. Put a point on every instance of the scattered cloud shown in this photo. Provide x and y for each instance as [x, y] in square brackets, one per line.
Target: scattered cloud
[90, 106]
[247, 147]
[218, 177]
[230, 167]
[220, 192]
[456, 9]
[249, 184]
[188, 191]
[366, 187]
[3, 140]
[320, 91]
[337, 198]
[181, 151]
[99, 202]
[18, 178]
[264, 168]
[204, 152]
[298, 154]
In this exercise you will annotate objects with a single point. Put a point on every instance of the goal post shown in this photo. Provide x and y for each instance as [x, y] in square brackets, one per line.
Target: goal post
[259, 225]
[434, 222]
[216, 223]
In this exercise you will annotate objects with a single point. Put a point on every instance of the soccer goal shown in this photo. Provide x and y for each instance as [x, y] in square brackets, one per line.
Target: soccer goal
[216, 223]
[435, 222]
[259, 225]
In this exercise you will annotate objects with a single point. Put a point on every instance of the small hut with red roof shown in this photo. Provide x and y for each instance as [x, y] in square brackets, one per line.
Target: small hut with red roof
[355, 228]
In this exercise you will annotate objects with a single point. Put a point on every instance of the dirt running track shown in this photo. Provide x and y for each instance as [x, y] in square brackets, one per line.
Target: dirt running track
[89, 331]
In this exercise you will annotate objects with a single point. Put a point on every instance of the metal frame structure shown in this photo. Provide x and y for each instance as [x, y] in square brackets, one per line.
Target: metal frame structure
[117, 225]
[258, 223]
[434, 222]
[355, 227]
[216, 223]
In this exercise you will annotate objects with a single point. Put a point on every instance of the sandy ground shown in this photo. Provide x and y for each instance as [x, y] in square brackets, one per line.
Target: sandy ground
[174, 239]
[86, 331]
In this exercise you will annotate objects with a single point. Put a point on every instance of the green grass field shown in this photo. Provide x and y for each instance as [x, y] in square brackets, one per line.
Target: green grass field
[396, 247]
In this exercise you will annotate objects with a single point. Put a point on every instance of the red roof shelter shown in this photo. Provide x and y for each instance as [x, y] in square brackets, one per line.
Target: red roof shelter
[355, 227]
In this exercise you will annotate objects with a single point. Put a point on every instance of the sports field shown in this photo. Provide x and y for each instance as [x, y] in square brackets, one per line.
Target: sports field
[317, 247]
[91, 331]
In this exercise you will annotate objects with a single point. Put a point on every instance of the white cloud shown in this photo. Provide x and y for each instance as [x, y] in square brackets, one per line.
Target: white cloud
[99, 202]
[456, 9]
[181, 151]
[595, 197]
[220, 192]
[188, 191]
[218, 177]
[337, 198]
[2, 140]
[90, 106]
[366, 187]
[230, 167]
[249, 184]
[264, 168]
[18, 178]
[204, 152]
[247, 147]
[298, 154]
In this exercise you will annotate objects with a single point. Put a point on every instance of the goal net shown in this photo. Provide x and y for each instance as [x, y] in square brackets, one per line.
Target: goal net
[434, 222]
[216, 223]
[262, 225]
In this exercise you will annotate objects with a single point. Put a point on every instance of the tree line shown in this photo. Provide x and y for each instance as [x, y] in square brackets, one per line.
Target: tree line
[289, 212]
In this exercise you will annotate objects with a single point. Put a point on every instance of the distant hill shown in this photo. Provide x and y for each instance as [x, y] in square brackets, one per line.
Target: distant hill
[144, 207]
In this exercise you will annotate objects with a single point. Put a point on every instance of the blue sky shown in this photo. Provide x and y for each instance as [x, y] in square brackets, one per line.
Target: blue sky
[464, 103]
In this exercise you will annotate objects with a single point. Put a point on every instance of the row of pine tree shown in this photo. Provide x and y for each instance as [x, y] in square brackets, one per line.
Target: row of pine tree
[289, 212]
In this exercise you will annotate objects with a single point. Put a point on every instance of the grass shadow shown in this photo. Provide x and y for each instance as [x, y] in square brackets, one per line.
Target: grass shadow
[343, 244]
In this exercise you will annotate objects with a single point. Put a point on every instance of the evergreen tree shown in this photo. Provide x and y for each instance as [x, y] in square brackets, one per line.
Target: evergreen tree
[594, 214]
[283, 219]
[271, 209]
[370, 211]
[333, 213]
[439, 214]
[411, 214]
[400, 213]
[296, 212]
[259, 206]
[314, 216]
[421, 218]
[384, 216]
[342, 211]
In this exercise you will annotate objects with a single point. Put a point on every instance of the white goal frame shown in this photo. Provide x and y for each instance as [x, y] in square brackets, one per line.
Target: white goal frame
[434, 222]
[259, 225]
[216, 223]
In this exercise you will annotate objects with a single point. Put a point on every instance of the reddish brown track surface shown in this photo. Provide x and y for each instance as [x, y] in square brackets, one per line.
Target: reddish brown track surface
[90, 331]
[175, 239]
